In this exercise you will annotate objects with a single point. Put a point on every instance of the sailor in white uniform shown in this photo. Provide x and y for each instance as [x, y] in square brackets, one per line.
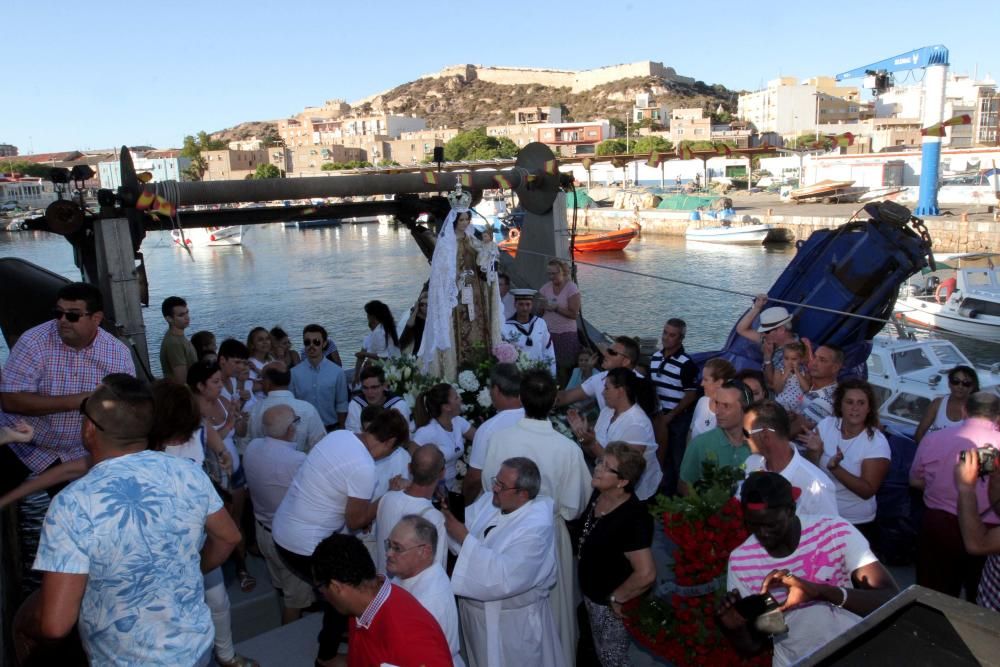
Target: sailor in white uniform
[528, 331]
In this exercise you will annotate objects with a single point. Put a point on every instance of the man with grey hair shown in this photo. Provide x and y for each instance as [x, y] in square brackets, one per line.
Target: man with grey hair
[410, 547]
[505, 570]
[943, 562]
[270, 463]
[276, 378]
[505, 393]
[426, 469]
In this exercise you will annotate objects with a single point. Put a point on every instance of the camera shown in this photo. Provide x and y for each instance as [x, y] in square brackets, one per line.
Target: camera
[988, 456]
[764, 612]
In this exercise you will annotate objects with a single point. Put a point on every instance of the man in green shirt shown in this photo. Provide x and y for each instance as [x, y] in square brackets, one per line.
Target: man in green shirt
[725, 444]
[176, 352]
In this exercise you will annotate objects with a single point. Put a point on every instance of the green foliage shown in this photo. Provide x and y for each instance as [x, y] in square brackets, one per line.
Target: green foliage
[618, 125]
[271, 138]
[808, 141]
[476, 145]
[196, 170]
[193, 146]
[13, 165]
[387, 163]
[707, 497]
[650, 144]
[266, 170]
[611, 147]
[353, 164]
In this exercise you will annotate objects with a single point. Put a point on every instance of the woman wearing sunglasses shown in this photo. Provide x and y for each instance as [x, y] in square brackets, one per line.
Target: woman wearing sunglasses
[945, 411]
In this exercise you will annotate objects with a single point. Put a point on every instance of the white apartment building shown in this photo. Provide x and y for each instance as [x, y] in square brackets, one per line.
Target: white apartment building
[962, 96]
[790, 108]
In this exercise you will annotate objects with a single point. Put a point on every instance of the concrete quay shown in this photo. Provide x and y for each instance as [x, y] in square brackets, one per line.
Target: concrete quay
[960, 228]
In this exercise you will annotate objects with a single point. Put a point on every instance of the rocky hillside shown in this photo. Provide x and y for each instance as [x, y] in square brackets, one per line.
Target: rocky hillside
[454, 102]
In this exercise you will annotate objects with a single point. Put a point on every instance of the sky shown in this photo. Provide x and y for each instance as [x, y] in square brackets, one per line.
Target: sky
[95, 75]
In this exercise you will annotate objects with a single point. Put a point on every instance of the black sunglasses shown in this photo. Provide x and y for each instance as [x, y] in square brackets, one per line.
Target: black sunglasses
[313, 342]
[611, 352]
[70, 315]
[83, 411]
[954, 381]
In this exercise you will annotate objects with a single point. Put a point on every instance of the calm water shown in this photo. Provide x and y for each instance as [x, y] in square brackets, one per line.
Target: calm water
[289, 277]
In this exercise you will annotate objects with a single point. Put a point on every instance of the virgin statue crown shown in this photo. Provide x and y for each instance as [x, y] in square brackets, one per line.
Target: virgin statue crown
[459, 198]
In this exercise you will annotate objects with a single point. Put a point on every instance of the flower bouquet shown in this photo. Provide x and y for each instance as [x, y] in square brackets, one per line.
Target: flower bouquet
[705, 526]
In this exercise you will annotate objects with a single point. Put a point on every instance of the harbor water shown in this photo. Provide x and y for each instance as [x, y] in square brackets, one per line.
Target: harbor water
[289, 277]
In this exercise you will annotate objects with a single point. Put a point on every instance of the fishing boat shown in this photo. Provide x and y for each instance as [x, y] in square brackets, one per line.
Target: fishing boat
[828, 192]
[962, 296]
[199, 237]
[907, 374]
[593, 242]
[733, 234]
[317, 224]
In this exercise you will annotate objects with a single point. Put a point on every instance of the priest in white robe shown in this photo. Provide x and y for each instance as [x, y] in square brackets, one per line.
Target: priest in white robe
[505, 571]
[565, 479]
[528, 332]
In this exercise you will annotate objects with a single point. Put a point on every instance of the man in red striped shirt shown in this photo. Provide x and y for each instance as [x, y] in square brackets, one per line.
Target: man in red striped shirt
[387, 624]
[818, 568]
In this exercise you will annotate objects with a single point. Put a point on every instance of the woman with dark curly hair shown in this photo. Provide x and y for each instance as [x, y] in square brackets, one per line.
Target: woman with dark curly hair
[851, 449]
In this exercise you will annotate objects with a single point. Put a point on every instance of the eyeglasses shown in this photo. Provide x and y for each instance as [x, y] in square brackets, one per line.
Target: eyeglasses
[953, 381]
[83, 411]
[313, 342]
[755, 431]
[72, 316]
[497, 484]
[599, 463]
[611, 352]
[296, 421]
[392, 546]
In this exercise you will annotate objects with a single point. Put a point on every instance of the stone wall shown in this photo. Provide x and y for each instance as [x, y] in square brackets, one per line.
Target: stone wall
[958, 234]
[578, 81]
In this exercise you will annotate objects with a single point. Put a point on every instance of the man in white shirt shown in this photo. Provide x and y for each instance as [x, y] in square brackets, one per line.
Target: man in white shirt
[374, 391]
[505, 569]
[505, 393]
[622, 353]
[331, 493]
[270, 464]
[276, 379]
[426, 471]
[528, 332]
[766, 426]
[411, 548]
[565, 479]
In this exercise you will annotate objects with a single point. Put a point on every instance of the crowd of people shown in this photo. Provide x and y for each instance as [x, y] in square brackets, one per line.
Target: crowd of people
[424, 538]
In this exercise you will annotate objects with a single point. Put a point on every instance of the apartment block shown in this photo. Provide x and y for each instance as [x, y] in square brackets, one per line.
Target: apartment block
[570, 139]
[790, 108]
[529, 115]
[647, 109]
[8, 150]
[411, 151]
[232, 165]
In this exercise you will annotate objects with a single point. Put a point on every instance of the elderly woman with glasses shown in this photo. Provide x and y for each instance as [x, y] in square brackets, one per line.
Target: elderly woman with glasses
[946, 411]
[616, 559]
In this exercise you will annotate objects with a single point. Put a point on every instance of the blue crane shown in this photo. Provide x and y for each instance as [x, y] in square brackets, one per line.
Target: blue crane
[934, 59]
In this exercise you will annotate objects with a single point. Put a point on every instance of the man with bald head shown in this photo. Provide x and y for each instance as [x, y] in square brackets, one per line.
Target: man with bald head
[426, 472]
[270, 464]
[275, 379]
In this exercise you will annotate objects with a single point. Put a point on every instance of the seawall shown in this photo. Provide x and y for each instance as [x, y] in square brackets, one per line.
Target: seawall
[952, 234]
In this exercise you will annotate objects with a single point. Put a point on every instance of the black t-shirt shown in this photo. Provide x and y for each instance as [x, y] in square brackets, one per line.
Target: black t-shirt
[603, 565]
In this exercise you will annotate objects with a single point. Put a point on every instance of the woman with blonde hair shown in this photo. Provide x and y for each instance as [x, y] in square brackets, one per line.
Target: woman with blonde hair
[560, 309]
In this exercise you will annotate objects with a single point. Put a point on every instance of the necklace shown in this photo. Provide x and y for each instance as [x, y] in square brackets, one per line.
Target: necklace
[593, 516]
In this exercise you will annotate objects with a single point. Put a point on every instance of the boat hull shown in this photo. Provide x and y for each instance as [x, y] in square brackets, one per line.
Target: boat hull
[933, 315]
[750, 235]
[597, 242]
[209, 236]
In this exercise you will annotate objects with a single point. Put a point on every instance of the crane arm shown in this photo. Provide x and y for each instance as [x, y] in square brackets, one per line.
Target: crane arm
[915, 59]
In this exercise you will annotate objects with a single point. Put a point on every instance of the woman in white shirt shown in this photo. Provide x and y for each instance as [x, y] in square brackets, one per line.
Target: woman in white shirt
[439, 422]
[713, 375]
[382, 340]
[851, 449]
[622, 420]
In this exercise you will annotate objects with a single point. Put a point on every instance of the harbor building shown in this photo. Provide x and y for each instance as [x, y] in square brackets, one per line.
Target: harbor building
[790, 108]
[8, 150]
[232, 165]
[163, 165]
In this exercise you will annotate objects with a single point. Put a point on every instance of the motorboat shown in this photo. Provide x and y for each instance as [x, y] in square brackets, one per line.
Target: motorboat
[199, 237]
[907, 374]
[317, 224]
[962, 297]
[609, 241]
[737, 234]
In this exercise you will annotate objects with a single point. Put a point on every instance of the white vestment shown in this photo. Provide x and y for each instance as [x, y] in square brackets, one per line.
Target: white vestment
[566, 480]
[503, 580]
[532, 338]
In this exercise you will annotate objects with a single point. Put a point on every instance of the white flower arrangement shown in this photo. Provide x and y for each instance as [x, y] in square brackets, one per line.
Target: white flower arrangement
[483, 397]
[467, 381]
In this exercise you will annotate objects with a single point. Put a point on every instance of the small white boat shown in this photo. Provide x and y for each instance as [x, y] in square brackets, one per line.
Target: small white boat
[962, 296]
[907, 374]
[200, 237]
[732, 234]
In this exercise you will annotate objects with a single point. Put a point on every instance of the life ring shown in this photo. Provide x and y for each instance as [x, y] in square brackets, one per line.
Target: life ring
[947, 286]
[513, 235]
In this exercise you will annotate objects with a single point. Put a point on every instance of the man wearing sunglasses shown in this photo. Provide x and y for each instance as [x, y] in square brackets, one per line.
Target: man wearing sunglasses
[320, 381]
[51, 369]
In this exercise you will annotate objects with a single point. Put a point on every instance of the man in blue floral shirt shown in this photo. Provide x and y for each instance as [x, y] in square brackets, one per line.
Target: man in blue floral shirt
[123, 548]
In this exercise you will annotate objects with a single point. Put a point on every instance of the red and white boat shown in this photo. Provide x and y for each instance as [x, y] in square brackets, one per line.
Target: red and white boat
[593, 242]
[200, 237]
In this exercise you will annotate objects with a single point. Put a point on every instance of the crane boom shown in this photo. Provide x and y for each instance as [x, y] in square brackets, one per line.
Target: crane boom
[915, 59]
